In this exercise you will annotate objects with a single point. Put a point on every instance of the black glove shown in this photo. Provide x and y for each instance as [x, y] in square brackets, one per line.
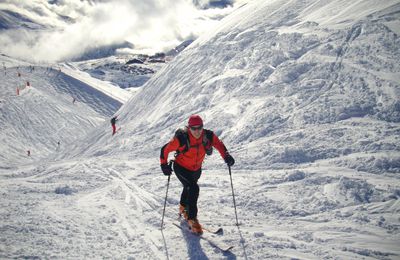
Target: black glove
[166, 169]
[229, 159]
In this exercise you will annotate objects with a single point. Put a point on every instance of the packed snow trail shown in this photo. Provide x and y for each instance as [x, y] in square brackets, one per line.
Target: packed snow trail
[113, 207]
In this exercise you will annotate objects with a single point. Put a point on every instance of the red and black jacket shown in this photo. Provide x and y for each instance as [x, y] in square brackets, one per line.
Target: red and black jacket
[191, 157]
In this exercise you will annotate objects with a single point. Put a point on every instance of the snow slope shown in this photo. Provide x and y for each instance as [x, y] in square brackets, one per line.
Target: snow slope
[305, 95]
[44, 113]
[105, 87]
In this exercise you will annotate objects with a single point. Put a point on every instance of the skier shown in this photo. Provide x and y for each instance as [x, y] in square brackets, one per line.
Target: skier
[191, 145]
[113, 121]
[28, 152]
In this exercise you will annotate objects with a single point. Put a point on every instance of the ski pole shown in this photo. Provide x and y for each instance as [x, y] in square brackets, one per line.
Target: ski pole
[165, 201]
[233, 195]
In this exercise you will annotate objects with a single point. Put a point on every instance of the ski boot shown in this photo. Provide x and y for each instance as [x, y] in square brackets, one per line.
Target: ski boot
[195, 226]
[183, 212]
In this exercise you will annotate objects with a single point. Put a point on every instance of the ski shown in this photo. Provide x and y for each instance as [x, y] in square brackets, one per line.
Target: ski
[216, 231]
[209, 238]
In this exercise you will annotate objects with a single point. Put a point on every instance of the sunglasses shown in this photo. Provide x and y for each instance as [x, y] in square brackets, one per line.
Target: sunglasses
[194, 128]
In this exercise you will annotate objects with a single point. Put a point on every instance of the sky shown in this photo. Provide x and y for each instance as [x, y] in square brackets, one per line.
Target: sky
[151, 26]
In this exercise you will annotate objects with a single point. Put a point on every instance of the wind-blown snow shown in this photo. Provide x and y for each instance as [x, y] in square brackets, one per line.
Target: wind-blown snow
[305, 95]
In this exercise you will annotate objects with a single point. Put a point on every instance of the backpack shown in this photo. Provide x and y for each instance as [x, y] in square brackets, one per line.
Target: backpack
[183, 138]
[113, 120]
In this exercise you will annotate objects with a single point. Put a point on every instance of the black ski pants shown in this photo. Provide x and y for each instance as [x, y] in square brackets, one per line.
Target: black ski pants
[191, 189]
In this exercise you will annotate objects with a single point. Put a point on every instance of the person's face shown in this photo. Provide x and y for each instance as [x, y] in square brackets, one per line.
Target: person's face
[196, 131]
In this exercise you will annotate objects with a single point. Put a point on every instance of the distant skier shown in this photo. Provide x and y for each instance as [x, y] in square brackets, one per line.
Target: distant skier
[28, 84]
[73, 100]
[191, 144]
[114, 127]
[28, 152]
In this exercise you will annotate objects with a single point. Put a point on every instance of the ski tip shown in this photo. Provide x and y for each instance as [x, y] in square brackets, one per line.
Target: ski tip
[218, 231]
[228, 249]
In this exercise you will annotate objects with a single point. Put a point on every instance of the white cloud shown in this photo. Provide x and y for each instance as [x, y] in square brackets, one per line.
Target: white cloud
[151, 25]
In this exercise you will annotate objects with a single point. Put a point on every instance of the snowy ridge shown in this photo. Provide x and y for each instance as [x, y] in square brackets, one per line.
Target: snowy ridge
[122, 70]
[107, 88]
[305, 95]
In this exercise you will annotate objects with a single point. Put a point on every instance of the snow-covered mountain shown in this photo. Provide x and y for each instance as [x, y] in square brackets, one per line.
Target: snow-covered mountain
[126, 71]
[305, 95]
[281, 83]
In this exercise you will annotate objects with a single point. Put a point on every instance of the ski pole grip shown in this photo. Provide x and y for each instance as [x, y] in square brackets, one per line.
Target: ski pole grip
[170, 164]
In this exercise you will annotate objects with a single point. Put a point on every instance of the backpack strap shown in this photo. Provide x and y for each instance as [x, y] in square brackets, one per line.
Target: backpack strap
[207, 141]
[183, 139]
[208, 136]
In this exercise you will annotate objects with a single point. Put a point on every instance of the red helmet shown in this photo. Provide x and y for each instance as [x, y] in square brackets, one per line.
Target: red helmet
[195, 120]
